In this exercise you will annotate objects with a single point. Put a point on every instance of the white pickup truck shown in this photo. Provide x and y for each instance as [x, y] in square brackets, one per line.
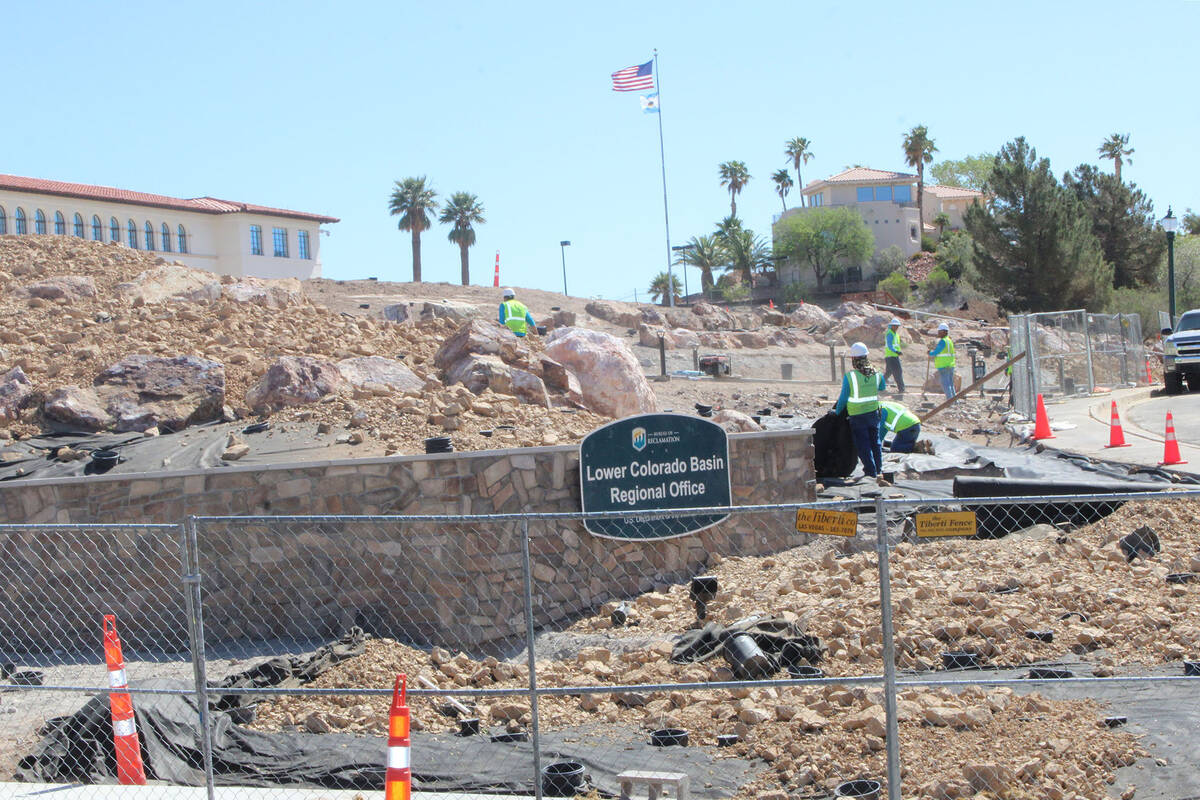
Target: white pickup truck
[1181, 353]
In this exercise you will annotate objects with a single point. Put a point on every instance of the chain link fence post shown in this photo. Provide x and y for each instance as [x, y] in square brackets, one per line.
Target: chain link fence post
[527, 575]
[190, 578]
[892, 740]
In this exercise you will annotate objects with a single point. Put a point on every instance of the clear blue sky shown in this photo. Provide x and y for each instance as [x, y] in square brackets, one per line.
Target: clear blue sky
[320, 106]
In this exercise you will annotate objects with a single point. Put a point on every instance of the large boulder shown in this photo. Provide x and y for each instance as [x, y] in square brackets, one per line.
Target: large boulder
[368, 372]
[602, 309]
[735, 421]
[479, 337]
[15, 389]
[295, 381]
[280, 293]
[479, 372]
[610, 377]
[398, 312]
[673, 339]
[449, 309]
[554, 374]
[71, 287]
[715, 318]
[142, 392]
[529, 388]
[171, 282]
[79, 409]
[809, 316]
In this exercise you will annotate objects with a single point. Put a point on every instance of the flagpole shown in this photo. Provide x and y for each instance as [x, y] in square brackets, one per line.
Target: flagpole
[662, 158]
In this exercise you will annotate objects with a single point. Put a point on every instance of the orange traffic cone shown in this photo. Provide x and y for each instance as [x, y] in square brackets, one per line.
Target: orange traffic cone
[1041, 426]
[1171, 446]
[1116, 436]
[125, 737]
[398, 777]
[771, 303]
[1149, 377]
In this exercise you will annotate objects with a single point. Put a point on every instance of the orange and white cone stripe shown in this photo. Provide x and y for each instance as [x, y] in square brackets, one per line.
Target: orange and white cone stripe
[1171, 445]
[398, 778]
[130, 771]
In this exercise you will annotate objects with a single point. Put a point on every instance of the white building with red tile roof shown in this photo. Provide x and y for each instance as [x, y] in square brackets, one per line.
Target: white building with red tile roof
[222, 236]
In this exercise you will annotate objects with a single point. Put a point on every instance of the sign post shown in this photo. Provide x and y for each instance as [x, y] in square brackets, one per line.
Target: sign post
[654, 462]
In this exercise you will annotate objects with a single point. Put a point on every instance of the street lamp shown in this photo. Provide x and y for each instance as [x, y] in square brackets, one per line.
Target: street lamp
[563, 245]
[681, 248]
[1170, 224]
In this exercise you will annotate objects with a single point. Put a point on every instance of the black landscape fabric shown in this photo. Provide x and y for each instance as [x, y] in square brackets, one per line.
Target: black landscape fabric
[834, 453]
[769, 633]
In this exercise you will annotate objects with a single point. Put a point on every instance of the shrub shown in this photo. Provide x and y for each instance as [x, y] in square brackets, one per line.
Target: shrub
[936, 285]
[795, 293]
[928, 244]
[887, 261]
[896, 285]
[735, 292]
[956, 254]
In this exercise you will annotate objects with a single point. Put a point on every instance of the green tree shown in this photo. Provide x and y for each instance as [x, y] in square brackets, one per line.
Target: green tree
[1191, 223]
[827, 239]
[706, 254]
[1115, 147]
[956, 255]
[918, 151]
[734, 177]
[412, 201]
[969, 172]
[1034, 247]
[935, 285]
[746, 254]
[799, 150]
[464, 211]
[942, 221]
[783, 184]
[888, 260]
[658, 288]
[1123, 222]
[896, 285]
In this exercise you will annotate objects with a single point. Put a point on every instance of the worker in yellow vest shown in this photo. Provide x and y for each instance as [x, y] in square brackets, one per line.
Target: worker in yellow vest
[943, 359]
[896, 419]
[892, 348]
[861, 386]
[514, 315]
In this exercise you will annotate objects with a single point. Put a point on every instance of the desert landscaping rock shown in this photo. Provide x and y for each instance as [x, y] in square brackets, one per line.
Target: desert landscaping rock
[68, 287]
[365, 371]
[295, 381]
[610, 377]
[15, 390]
[142, 392]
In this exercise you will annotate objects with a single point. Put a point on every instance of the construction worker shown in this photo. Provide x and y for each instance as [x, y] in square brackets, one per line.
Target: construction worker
[861, 386]
[891, 355]
[514, 315]
[899, 420]
[943, 359]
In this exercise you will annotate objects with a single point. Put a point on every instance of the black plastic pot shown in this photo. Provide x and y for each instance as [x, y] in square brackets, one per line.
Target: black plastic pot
[805, 671]
[703, 410]
[960, 659]
[1142, 542]
[765, 412]
[511, 736]
[487, 434]
[727, 739]
[562, 779]
[1080, 614]
[105, 458]
[620, 616]
[1046, 673]
[439, 444]
[746, 658]
[257, 427]
[860, 789]
[797, 652]
[1115, 722]
[1041, 636]
[1191, 669]
[669, 737]
[541, 329]
[757, 419]
[703, 588]
[468, 727]
[1181, 577]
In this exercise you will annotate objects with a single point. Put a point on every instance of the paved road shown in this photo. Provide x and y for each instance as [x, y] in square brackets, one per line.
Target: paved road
[1150, 416]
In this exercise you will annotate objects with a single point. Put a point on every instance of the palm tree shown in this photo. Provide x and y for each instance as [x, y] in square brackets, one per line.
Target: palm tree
[726, 228]
[734, 177]
[658, 288]
[1114, 148]
[746, 253]
[463, 210]
[942, 220]
[412, 201]
[918, 151]
[706, 253]
[798, 151]
[783, 184]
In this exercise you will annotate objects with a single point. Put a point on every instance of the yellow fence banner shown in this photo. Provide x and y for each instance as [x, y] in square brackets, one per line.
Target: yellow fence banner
[946, 523]
[826, 523]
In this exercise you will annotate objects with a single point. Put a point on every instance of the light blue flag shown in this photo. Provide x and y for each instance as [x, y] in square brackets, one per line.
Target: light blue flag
[650, 103]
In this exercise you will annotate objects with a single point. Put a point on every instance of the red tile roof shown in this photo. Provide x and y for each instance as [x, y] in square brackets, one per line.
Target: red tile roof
[863, 174]
[951, 191]
[200, 205]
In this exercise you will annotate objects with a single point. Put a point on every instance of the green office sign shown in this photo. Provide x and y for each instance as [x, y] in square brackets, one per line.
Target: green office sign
[654, 462]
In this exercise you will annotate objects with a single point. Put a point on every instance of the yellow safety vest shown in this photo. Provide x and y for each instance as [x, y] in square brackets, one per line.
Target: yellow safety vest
[514, 316]
[864, 393]
[946, 357]
[891, 344]
[896, 417]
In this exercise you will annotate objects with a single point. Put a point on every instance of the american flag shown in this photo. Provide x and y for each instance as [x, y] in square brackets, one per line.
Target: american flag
[634, 79]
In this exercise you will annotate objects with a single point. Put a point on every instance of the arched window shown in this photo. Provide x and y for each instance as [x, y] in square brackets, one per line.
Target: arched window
[97, 229]
[131, 230]
[60, 224]
[39, 221]
[3, 222]
[149, 236]
[166, 238]
[79, 226]
[114, 230]
[181, 238]
[20, 221]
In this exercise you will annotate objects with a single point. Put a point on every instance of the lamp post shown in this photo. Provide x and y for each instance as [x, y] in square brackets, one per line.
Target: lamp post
[563, 245]
[1170, 224]
[680, 248]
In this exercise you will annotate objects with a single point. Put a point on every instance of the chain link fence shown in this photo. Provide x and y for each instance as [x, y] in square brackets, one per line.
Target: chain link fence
[1074, 352]
[1019, 647]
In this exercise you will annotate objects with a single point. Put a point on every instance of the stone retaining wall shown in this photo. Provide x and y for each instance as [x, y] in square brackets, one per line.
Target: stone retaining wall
[457, 584]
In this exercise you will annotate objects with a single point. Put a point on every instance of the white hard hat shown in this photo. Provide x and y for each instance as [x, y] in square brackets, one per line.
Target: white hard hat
[895, 321]
[858, 349]
[509, 293]
[943, 327]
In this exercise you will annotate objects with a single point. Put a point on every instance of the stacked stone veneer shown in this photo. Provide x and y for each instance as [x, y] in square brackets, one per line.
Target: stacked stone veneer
[457, 583]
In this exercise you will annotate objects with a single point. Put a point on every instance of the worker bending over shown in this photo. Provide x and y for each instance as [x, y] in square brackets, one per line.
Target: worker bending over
[897, 419]
[514, 315]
